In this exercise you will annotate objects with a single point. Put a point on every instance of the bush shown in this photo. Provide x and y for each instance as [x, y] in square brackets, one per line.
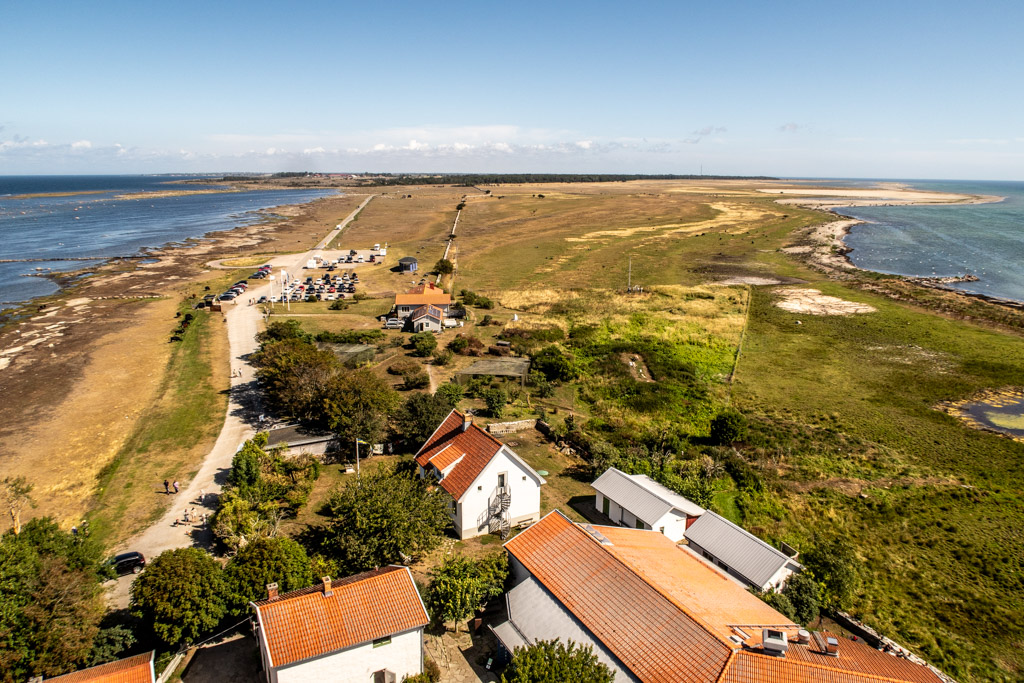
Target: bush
[423, 343]
[180, 596]
[728, 426]
[555, 364]
[804, 595]
[442, 357]
[416, 379]
[451, 393]
[496, 399]
[403, 366]
[444, 267]
[550, 660]
[466, 346]
[338, 305]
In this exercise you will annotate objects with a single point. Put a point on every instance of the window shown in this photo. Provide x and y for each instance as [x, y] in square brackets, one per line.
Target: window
[662, 530]
[502, 480]
[639, 524]
[380, 642]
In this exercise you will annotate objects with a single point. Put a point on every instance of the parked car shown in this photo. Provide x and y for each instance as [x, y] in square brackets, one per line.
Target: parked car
[128, 563]
[394, 324]
[262, 300]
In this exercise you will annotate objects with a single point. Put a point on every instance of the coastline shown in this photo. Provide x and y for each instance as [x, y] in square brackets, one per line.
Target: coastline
[824, 245]
[81, 368]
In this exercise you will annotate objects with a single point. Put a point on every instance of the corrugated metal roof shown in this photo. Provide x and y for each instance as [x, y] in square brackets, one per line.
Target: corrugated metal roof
[743, 552]
[306, 623]
[642, 496]
[137, 669]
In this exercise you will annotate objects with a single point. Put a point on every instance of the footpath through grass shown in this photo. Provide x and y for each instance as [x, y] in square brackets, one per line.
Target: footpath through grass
[935, 509]
[173, 437]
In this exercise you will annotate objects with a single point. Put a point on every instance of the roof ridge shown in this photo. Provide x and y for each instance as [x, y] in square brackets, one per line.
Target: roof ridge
[339, 583]
[756, 538]
[697, 620]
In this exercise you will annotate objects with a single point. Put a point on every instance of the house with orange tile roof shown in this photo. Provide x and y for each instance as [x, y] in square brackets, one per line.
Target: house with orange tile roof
[137, 669]
[422, 295]
[492, 489]
[367, 627]
[654, 613]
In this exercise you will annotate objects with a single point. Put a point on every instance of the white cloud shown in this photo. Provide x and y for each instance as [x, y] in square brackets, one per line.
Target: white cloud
[81, 144]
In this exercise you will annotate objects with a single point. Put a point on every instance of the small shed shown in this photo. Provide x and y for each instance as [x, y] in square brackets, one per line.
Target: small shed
[427, 318]
[499, 367]
[408, 264]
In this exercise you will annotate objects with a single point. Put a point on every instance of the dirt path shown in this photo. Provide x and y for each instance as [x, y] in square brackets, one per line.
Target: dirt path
[240, 422]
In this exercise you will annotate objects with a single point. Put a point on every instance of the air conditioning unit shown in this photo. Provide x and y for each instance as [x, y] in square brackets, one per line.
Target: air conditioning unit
[774, 642]
[385, 676]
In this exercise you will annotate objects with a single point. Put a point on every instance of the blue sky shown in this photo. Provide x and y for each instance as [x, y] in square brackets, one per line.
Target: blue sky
[865, 89]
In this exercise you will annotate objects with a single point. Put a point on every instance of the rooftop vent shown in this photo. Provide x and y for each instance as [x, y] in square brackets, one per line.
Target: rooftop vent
[327, 587]
[832, 646]
[774, 642]
[598, 536]
[803, 636]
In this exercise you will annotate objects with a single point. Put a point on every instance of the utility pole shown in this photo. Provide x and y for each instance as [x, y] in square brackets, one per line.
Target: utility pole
[629, 277]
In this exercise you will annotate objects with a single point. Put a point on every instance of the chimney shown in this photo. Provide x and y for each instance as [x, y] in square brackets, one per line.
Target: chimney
[832, 646]
[271, 591]
[467, 420]
[327, 587]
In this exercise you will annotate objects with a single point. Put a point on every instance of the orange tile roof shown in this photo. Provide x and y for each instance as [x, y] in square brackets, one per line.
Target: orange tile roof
[304, 623]
[707, 596]
[137, 669]
[424, 294]
[857, 662]
[475, 446]
[668, 617]
[646, 631]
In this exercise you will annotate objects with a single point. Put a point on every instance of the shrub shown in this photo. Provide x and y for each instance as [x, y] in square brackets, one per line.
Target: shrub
[338, 305]
[495, 400]
[444, 267]
[416, 379]
[728, 426]
[403, 366]
[555, 364]
[451, 393]
[180, 596]
[442, 357]
[423, 343]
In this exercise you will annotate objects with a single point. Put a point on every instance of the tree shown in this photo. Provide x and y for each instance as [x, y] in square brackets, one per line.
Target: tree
[264, 561]
[460, 586]
[804, 595]
[421, 415]
[728, 426]
[295, 375]
[444, 267]
[240, 521]
[385, 516]
[834, 564]
[780, 603]
[450, 393]
[180, 596]
[495, 400]
[50, 601]
[360, 405]
[423, 343]
[551, 661]
[280, 330]
[16, 495]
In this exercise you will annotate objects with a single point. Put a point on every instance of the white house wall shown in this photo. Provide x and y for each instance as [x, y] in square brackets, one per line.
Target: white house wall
[523, 489]
[403, 655]
[673, 520]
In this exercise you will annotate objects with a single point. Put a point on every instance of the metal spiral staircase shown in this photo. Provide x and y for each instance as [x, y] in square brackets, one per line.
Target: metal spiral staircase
[500, 522]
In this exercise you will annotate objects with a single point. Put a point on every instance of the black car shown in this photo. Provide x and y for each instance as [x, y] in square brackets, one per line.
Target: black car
[128, 563]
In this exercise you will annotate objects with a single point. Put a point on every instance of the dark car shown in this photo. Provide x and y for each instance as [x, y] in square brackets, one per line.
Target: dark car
[128, 563]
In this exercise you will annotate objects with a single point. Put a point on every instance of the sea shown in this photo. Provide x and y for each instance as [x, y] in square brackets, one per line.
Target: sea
[986, 240]
[97, 222]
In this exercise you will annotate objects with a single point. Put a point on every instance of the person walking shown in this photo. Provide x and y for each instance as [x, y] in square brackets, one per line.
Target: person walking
[175, 487]
[167, 487]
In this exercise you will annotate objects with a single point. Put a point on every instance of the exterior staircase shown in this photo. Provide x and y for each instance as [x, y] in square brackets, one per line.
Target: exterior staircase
[499, 521]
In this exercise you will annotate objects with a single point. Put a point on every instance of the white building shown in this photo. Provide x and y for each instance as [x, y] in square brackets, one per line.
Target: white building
[639, 502]
[492, 488]
[367, 627]
[740, 553]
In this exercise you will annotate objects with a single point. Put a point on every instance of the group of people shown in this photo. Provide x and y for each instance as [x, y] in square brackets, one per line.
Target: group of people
[192, 518]
[168, 485]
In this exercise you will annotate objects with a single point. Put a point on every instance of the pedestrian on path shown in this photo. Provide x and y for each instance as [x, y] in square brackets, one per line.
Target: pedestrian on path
[175, 487]
[202, 496]
[167, 487]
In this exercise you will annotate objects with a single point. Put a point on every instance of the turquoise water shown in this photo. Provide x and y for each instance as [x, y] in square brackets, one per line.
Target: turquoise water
[986, 240]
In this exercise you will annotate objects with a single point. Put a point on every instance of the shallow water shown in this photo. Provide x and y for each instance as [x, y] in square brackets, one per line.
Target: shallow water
[101, 225]
[986, 240]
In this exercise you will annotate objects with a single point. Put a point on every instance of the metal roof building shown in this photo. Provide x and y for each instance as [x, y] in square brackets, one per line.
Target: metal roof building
[631, 498]
[739, 552]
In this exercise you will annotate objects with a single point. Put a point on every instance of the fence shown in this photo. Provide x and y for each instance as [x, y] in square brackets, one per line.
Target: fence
[499, 428]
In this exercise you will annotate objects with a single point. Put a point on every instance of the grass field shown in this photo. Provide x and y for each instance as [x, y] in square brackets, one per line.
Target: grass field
[934, 508]
[844, 425]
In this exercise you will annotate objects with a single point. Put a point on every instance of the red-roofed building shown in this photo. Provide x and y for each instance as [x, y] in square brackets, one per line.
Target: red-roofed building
[422, 295]
[366, 627]
[492, 488]
[137, 669]
[654, 613]
[427, 318]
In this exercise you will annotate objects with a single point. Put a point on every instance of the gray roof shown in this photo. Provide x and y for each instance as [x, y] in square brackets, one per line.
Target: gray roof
[744, 553]
[642, 496]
